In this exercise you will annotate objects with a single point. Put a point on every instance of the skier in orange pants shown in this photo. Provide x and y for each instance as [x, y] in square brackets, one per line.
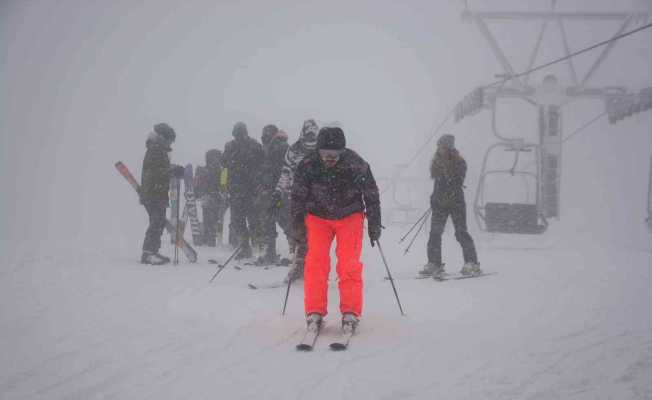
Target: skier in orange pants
[332, 191]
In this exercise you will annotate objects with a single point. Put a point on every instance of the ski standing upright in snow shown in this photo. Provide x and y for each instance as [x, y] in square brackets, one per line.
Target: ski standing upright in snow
[191, 205]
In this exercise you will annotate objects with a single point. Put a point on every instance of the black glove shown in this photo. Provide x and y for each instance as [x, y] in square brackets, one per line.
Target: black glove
[177, 171]
[374, 233]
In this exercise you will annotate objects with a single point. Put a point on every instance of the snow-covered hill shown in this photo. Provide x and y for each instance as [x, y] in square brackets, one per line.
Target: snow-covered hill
[552, 323]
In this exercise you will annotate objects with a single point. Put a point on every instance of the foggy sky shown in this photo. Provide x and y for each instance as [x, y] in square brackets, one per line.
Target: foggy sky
[83, 83]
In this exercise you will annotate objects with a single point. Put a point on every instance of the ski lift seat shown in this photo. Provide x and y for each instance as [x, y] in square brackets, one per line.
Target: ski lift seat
[513, 218]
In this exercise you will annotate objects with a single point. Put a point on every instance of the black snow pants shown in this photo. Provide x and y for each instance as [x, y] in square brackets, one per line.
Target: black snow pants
[440, 213]
[157, 220]
[213, 210]
[243, 217]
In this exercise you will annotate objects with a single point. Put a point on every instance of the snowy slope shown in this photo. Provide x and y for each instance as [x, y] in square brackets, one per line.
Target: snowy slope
[553, 323]
[565, 317]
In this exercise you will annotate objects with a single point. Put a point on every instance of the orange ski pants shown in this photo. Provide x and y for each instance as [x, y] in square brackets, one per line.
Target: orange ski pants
[320, 234]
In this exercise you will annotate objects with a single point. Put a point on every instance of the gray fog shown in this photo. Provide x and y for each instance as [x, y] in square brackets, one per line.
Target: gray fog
[84, 81]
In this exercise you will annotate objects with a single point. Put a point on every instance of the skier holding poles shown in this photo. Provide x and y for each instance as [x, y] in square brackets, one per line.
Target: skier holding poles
[448, 170]
[333, 191]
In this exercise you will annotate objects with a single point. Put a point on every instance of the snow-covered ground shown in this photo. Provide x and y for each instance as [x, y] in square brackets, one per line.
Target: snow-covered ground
[566, 316]
[553, 323]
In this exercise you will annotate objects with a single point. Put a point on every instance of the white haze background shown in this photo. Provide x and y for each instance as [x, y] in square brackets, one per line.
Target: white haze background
[82, 83]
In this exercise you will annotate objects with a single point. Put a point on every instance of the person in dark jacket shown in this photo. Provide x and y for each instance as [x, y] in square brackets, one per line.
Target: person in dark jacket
[275, 145]
[448, 170]
[333, 190]
[155, 184]
[242, 157]
[306, 143]
[211, 190]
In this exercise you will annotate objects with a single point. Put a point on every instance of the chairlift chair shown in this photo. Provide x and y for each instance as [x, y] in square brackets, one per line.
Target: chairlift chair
[501, 217]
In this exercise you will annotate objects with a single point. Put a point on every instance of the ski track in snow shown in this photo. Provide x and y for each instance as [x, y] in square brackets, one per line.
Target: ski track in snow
[95, 326]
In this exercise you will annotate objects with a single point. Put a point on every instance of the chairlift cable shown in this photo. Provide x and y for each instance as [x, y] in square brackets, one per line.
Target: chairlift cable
[507, 79]
[548, 64]
[586, 125]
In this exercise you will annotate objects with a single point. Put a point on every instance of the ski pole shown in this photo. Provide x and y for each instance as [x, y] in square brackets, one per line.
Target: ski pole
[423, 223]
[428, 211]
[228, 260]
[389, 275]
[176, 241]
[287, 292]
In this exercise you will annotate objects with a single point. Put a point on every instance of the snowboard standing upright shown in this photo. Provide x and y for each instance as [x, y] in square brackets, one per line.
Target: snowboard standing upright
[189, 252]
[191, 206]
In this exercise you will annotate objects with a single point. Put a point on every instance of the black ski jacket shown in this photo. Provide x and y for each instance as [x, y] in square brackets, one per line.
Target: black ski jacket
[243, 157]
[448, 175]
[337, 192]
[155, 179]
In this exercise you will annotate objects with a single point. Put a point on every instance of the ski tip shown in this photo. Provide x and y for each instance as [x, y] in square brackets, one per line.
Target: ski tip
[304, 347]
[212, 261]
[252, 286]
[337, 346]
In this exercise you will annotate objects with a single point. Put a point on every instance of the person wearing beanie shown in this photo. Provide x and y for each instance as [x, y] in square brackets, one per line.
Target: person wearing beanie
[275, 146]
[281, 197]
[155, 184]
[448, 170]
[333, 192]
[242, 157]
[212, 192]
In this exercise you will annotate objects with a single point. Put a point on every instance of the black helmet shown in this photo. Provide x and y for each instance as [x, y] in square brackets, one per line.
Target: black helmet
[164, 130]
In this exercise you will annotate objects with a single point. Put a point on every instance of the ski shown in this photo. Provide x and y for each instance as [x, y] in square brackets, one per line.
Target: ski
[343, 342]
[310, 337]
[189, 252]
[174, 205]
[446, 277]
[268, 285]
[191, 204]
[459, 277]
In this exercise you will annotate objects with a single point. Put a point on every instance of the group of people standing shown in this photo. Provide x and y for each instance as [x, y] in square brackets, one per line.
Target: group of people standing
[316, 190]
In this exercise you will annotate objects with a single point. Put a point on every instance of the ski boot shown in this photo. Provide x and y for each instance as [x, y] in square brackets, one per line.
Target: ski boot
[166, 259]
[438, 273]
[349, 322]
[314, 321]
[429, 268]
[470, 269]
[152, 258]
[270, 257]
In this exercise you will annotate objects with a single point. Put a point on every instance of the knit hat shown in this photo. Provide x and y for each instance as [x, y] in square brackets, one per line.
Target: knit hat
[331, 138]
[240, 130]
[446, 140]
[268, 133]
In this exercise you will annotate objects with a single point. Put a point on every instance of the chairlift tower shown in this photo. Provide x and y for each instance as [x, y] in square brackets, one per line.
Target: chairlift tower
[649, 199]
[549, 97]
